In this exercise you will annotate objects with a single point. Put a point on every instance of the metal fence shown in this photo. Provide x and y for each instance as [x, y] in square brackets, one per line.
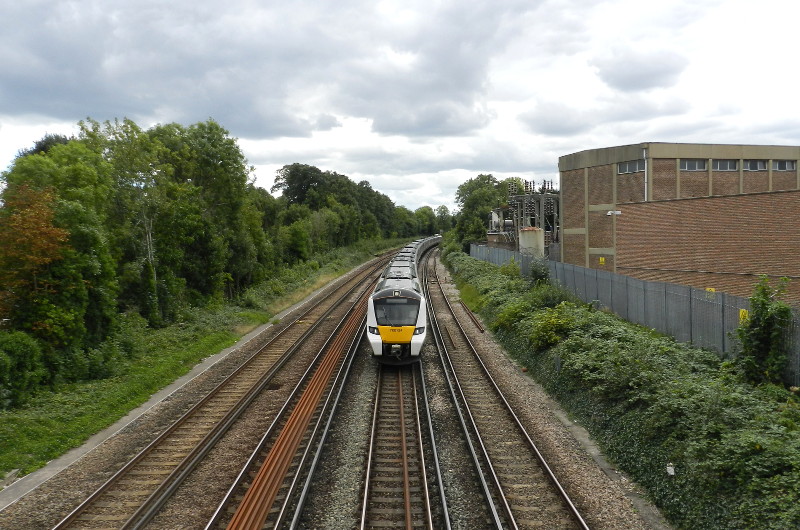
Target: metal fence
[707, 319]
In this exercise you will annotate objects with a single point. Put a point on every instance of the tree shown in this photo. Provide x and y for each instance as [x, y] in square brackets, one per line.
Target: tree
[444, 221]
[29, 241]
[297, 181]
[43, 145]
[405, 223]
[426, 220]
[476, 198]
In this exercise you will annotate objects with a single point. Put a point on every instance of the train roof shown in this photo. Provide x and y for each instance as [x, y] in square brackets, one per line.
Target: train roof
[396, 283]
[399, 272]
[391, 290]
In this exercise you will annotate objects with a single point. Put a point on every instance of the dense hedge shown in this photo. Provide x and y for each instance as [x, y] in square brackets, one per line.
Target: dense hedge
[652, 403]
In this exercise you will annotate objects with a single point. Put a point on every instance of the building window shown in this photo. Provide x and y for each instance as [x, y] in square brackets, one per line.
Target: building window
[784, 165]
[755, 165]
[693, 164]
[634, 166]
[725, 165]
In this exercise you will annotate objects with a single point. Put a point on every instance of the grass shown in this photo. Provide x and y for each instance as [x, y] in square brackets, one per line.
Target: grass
[55, 422]
[52, 423]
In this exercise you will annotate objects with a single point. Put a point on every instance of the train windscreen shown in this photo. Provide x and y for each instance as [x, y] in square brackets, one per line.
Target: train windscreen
[396, 311]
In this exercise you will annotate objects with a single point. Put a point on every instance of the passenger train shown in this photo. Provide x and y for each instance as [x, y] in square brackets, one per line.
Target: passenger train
[396, 312]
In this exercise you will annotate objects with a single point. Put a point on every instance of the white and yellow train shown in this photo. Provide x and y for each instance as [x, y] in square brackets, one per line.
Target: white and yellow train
[396, 313]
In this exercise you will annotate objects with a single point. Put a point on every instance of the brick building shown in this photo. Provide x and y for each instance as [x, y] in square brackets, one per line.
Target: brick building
[708, 216]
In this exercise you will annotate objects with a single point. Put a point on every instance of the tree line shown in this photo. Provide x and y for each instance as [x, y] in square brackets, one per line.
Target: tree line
[120, 219]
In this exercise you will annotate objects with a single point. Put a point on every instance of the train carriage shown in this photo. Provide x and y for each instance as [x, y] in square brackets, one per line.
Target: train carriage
[397, 313]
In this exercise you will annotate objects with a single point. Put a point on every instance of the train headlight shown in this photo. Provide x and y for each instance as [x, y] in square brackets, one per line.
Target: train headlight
[419, 331]
[373, 330]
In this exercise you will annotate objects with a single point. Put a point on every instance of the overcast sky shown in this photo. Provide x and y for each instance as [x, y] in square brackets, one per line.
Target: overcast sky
[414, 96]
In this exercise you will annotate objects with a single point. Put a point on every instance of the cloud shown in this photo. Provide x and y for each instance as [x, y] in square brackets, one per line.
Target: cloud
[558, 119]
[396, 89]
[632, 70]
[554, 118]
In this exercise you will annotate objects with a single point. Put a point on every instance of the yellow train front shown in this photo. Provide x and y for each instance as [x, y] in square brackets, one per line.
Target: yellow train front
[396, 312]
[396, 320]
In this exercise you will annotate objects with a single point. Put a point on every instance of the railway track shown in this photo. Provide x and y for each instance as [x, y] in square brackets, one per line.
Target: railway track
[396, 491]
[133, 496]
[270, 490]
[519, 487]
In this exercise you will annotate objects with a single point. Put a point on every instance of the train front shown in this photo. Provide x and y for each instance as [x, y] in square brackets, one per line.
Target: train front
[396, 325]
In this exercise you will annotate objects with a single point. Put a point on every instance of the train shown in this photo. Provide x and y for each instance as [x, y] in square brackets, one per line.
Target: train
[396, 311]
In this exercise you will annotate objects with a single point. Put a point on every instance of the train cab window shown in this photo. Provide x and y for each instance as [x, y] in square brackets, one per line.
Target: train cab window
[396, 311]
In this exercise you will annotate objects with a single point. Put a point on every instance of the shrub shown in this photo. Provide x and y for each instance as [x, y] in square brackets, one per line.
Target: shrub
[763, 335]
[21, 368]
[549, 326]
[540, 270]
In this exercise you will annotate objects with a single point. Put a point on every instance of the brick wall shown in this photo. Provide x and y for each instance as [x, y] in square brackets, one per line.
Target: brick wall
[755, 181]
[723, 243]
[784, 180]
[603, 262]
[572, 201]
[664, 182]
[630, 187]
[724, 182]
[695, 183]
[601, 182]
[600, 234]
[574, 249]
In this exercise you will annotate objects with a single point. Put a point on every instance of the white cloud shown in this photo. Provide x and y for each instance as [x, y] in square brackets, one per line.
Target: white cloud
[411, 95]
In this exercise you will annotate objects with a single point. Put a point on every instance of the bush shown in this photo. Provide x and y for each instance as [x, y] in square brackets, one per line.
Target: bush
[540, 270]
[21, 368]
[763, 336]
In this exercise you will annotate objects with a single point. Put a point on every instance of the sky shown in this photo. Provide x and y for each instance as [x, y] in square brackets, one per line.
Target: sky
[415, 97]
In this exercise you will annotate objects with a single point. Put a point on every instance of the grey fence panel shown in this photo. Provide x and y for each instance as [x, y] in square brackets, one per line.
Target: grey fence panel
[569, 277]
[619, 295]
[793, 366]
[555, 268]
[591, 285]
[706, 319]
[655, 305]
[678, 303]
[735, 310]
[605, 281]
[554, 252]
[707, 328]
[494, 256]
[636, 305]
[579, 274]
[525, 263]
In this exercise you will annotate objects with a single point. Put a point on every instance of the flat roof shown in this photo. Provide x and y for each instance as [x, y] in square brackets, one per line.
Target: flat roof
[623, 153]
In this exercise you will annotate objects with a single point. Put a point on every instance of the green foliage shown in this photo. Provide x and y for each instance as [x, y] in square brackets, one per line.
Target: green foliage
[121, 220]
[650, 402]
[21, 368]
[549, 326]
[763, 336]
[426, 221]
[540, 270]
[510, 269]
